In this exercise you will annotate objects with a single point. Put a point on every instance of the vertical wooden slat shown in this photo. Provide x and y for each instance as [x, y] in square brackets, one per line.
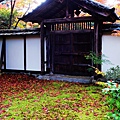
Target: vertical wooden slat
[90, 25]
[67, 9]
[48, 46]
[54, 27]
[52, 37]
[25, 52]
[71, 51]
[96, 37]
[74, 26]
[1, 57]
[4, 52]
[100, 40]
[62, 26]
[82, 25]
[42, 49]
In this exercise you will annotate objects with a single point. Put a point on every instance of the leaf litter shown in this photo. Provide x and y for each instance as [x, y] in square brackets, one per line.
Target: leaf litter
[24, 97]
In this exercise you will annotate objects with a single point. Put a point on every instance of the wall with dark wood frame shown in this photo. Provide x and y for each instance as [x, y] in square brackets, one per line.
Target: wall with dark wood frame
[22, 53]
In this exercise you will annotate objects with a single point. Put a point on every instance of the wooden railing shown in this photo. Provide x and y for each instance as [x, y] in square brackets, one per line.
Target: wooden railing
[72, 26]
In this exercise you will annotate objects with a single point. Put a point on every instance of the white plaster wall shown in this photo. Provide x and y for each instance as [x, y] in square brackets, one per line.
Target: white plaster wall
[15, 53]
[111, 49]
[33, 53]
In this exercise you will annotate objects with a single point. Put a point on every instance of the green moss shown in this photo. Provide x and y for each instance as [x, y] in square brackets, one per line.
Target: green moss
[48, 100]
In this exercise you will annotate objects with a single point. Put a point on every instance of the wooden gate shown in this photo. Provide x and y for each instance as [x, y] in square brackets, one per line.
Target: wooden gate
[68, 50]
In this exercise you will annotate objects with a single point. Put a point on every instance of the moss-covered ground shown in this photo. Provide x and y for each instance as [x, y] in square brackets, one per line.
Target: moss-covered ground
[23, 97]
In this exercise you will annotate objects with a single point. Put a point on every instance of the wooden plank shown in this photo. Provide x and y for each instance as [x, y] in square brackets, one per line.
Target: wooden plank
[70, 31]
[79, 43]
[68, 20]
[52, 50]
[4, 52]
[42, 49]
[67, 9]
[1, 57]
[60, 63]
[82, 65]
[25, 52]
[97, 39]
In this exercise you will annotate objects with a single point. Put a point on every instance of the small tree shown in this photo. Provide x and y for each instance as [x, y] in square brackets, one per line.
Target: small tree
[14, 9]
[5, 18]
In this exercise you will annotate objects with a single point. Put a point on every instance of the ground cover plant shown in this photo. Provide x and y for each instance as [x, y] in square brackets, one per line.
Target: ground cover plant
[23, 97]
[113, 99]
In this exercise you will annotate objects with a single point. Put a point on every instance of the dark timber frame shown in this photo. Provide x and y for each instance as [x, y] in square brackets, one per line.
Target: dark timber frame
[58, 17]
[4, 34]
[58, 26]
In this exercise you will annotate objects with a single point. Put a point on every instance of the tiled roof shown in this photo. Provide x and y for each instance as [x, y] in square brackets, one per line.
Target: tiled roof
[8, 32]
[51, 9]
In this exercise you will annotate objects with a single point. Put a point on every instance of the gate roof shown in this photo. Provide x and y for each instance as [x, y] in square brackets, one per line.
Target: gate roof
[52, 9]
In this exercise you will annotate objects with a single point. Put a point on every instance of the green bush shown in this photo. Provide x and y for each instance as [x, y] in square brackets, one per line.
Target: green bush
[113, 73]
[113, 100]
[97, 59]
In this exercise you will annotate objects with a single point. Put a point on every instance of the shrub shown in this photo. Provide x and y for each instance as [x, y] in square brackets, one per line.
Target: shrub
[97, 59]
[113, 73]
[113, 100]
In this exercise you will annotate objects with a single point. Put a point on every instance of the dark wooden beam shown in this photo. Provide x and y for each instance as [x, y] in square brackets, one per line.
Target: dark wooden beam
[1, 57]
[93, 8]
[71, 31]
[67, 9]
[24, 52]
[71, 11]
[4, 51]
[42, 49]
[68, 20]
[100, 40]
[53, 53]
[97, 39]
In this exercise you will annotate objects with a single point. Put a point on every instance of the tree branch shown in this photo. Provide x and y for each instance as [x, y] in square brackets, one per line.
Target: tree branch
[22, 16]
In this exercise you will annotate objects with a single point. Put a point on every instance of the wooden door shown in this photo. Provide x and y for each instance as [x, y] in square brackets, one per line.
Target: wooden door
[68, 50]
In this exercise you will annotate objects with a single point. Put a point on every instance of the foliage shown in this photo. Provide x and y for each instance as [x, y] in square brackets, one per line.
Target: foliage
[101, 83]
[113, 73]
[4, 18]
[113, 100]
[12, 20]
[25, 97]
[97, 59]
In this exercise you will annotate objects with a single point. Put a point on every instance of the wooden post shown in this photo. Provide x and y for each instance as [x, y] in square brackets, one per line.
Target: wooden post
[100, 36]
[52, 39]
[97, 38]
[67, 9]
[1, 57]
[42, 49]
[4, 52]
[48, 29]
[24, 52]
[96, 30]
